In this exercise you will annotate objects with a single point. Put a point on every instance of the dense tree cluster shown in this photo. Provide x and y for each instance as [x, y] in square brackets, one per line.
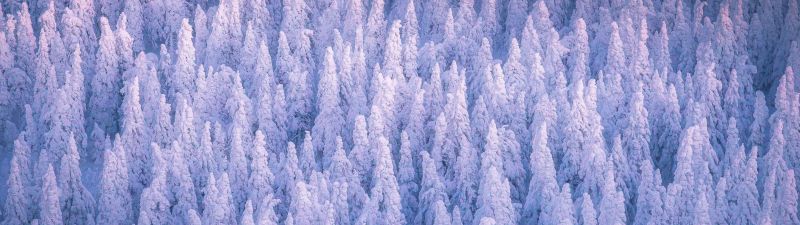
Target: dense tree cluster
[338, 112]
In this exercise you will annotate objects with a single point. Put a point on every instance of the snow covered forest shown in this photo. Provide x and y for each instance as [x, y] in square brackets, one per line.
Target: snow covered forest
[388, 112]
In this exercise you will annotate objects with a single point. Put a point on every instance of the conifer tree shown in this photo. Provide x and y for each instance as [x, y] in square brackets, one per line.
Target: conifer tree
[105, 98]
[18, 208]
[76, 201]
[330, 120]
[50, 207]
[494, 200]
[135, 138]
[115, 202]
[261, 177]
[180, 187]
[181, 82]
[407, 178]
[154, 205]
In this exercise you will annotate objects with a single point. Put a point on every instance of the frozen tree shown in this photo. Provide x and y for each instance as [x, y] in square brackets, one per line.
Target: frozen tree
[432, 190]
[135, 138]
[247, 215]
[758, 129]
[374, 33]
[154, 206]
[649, 202]
[238, 169]
[104, 98]
[261, 177]
[785, 208]
[407, 178]
[385, 191]
[494, 200]
[586, 211]
[76, 201]
[180, 187]
[226, 35]
[50, 206]
[200, 24]
[115, 202]
[18, 208]
[181, 81]
[135, 22]
[25, 40]
[543, 178]
[636, 135]
[330, 120]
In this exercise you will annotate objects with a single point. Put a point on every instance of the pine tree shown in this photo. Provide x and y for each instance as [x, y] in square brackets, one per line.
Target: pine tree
[247, 215]
[784, 211]
[494, 200]
[181, 189]
[200, 24]
[50, 207]
[330, 120]
[744, 193]
[578, 60]
[25, 41]
[115, 202]
[76, 201]
[588, 215]
[612, 204]
[212, 208]
[104, 98]
[133, 11]
[135, 138]
[261, 177]
[407, 178]
[154, 206]
[385, 191]
[649, 202]
[226, 35]
[432, 190]
[124, 46]
[238, 169]
[225, 200]
[290, 174]
[636, 135]
[18, 208]
[266, 213]
[543, 179]
[181, 82]
[375, 27]
[758, 129]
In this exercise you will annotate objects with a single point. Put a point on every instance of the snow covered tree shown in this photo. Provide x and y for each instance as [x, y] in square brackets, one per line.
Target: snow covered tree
[543, 184]
[181, 81]
[407, 178]
[180, 189]
[76, 201]
[385, 191]
[238, 169]
[104, 98]
[261, 177]
[135, 138]
[494, 200]
[432, 190]
[586, 211]
[18, 208]
[330, 120]
[154, 206]
[758, 128]
[226, 35]
[50, 207]
[115, 202]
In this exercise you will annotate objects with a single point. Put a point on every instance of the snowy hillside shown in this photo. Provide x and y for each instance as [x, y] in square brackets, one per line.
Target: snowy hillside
[386, 112]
